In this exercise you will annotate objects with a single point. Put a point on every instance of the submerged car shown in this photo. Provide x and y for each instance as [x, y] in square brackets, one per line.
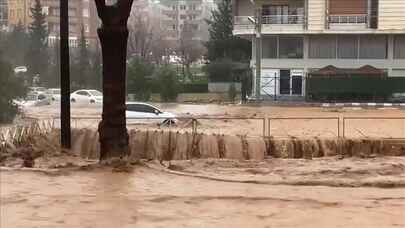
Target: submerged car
[143, 112]
[38, 90]
[34, 99]
[87, 96]
[54, 94]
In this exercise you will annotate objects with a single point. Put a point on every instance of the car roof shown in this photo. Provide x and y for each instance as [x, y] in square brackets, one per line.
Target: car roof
[141, 103]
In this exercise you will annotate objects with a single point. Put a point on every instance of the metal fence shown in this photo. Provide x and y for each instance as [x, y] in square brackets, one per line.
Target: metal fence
[18, 134]
[376, 127]
[303, 127]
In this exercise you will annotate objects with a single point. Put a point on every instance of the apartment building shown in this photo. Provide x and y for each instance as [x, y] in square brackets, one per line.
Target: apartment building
[18, 12]
[81, 13]
[175, 14]
[302, 36]
[3, 14]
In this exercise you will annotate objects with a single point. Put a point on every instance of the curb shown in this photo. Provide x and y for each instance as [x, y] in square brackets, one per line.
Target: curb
[363, 105]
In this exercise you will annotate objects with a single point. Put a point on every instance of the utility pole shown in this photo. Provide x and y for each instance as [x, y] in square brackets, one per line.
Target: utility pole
[65, 75]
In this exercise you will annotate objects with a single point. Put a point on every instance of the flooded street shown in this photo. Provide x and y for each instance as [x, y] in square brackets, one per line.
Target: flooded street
[68, 191]
[251, 119]
[150, 197]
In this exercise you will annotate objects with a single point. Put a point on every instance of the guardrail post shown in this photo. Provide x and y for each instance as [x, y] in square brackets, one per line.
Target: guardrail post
[264, 127]
[194, 126]
[338, 120]
[344, 127]
[269, 127]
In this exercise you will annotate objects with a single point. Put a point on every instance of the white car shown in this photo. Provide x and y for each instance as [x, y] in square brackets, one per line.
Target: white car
[87, 96]
[54, 94]
[143, 112]
[34, 99]
[38, 90]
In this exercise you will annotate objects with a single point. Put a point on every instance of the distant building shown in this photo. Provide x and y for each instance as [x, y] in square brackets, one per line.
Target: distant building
[81, 13]
[3, 14]
[175, 14]
[303, 36]
[18, 12]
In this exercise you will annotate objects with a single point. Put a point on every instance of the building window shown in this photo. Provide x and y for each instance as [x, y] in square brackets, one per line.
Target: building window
[322, 47]
[183, 17]
[182, 7]
[399, 47]
[45, 10]
[269, 47]
[291, 47]
[348, 47]
[85, 12]
[86, 28]
[373, 47]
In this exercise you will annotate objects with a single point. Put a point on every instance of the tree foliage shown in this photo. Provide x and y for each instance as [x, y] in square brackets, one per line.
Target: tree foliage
[146, 38]
[81, 64]
[222, 44]
[220, 70]
[139, 78]
[166, 79]
[37, 55]
[190, 49]
[16, 43]
[11, 88]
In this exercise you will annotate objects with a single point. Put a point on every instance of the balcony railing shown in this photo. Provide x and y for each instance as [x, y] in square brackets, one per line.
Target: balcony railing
[271, 19]
[348, 19]
[283, 19]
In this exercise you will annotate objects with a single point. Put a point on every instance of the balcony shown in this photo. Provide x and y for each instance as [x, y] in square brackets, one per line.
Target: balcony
[271, 24]
[342, 22]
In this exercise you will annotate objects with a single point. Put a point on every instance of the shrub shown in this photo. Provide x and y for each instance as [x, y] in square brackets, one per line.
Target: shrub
[232, 92]
[11, 88]
[167, 82]
[220, 71]
[194, 88]
[139, 79]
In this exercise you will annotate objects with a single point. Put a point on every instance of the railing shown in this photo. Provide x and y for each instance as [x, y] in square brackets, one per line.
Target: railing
[304, 127]
[377, 127]
[283, 19]
[348, 19]
[271, 19]
[242, 20]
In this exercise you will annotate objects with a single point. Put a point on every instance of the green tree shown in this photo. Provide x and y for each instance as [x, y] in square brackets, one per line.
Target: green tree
[16, 43]
[222, 43]
[37, 56]
[52, 78]
[138, 83]
[83, 68]
[220, 70]
[167, 82]
[11, 88]
[94, 77]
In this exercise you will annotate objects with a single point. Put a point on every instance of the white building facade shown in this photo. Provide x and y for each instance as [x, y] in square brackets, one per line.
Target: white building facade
[301, 36]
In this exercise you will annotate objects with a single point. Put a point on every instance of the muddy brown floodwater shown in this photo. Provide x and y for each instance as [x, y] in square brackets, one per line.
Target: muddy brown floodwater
[210, 193]
[66, 191]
